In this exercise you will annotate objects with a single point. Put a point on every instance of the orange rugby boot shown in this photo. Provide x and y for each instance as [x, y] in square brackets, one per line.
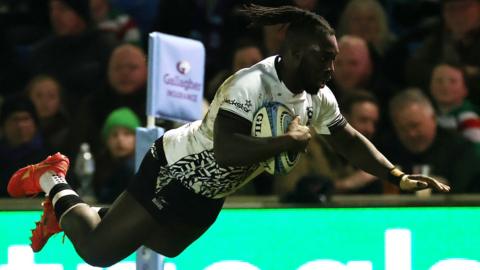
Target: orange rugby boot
[46, 227]
[26, 181]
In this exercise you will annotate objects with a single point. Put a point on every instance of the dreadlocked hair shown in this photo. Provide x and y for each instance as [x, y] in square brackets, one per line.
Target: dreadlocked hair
[300, 21]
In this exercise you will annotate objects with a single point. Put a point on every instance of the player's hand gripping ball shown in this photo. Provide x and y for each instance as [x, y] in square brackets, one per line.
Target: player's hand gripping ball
[272, 120]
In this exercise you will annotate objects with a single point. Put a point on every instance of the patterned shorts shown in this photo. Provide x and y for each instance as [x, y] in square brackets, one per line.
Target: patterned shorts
[173, 203]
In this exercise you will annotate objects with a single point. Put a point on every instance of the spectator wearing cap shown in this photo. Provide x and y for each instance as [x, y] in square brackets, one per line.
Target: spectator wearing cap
[21, 143]
[76, 53]
[117, 161]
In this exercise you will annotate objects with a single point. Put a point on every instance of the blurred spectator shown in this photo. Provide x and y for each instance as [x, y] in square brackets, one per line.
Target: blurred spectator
[21, 143]
[366, 19]
[362, 112]
[143, 12]
[407, 16]
[201, 20]
[310, 5]
[117, 161]
[126, 87]
[457, 41]
[418, 20]
[322, 169]
[273, 36]
[245, 55]
[46, 94]
[419, 142]
[355, 69]
[22, 23]
[330, 10]
[76, 53]
[454, 110]
[111, 20]
[353, 65]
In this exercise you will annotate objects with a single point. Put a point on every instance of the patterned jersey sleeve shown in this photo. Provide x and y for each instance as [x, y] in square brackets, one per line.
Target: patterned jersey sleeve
[327, 116]
[241, 95]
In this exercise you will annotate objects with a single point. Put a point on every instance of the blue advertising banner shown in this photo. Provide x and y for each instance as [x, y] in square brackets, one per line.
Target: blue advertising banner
[145, 137]
[175, 77]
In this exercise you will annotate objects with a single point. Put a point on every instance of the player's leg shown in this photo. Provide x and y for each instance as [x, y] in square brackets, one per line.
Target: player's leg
[169, 238]
[48, 225]
[129, 224]
[125, 227]
[167, 219]
[103, 242]
[183, 215]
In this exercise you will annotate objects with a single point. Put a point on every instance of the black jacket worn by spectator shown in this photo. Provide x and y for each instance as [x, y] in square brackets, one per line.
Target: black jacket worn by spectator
[79, 62]
[450, 156]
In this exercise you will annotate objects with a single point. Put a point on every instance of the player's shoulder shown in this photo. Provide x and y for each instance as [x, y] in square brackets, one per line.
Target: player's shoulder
[252, 77]
[325, 95]
[256, 71]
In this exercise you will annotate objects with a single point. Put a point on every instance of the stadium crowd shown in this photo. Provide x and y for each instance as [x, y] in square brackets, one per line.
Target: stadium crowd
[407, 76]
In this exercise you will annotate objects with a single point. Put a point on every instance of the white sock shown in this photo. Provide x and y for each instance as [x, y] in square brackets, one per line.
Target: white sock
[49, 179]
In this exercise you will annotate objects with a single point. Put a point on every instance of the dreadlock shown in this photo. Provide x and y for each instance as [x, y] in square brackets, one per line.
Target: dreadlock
[302, 23]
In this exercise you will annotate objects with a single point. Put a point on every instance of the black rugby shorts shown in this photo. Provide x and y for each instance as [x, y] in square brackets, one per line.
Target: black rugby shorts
[174, 203]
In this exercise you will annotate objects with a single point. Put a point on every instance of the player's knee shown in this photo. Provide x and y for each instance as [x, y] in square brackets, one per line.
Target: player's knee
[173, 252]
[97, 259]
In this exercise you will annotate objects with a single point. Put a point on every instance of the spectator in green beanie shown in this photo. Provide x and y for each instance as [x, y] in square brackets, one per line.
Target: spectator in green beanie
[119, 132]
[117, 162]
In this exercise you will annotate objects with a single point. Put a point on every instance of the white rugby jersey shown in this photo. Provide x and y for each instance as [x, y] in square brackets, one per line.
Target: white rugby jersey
[189, 148]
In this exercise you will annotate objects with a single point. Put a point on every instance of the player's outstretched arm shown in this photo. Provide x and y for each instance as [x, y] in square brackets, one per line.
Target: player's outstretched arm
[363, 154]
[234, 146]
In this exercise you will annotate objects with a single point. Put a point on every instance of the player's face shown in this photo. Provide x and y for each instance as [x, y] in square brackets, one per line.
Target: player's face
[316, 67]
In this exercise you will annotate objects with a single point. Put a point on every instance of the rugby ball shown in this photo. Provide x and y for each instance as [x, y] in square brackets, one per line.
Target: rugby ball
[272, 120]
